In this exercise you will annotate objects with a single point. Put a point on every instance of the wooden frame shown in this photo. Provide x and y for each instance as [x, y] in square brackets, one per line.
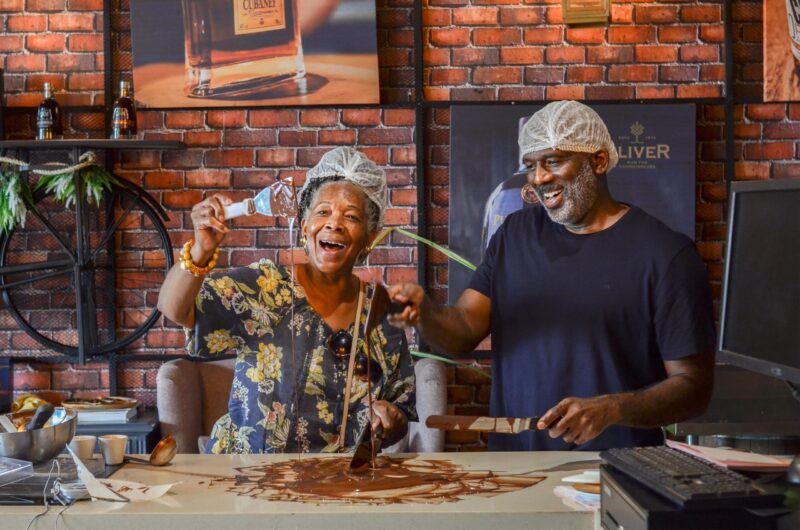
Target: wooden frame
[586, 11]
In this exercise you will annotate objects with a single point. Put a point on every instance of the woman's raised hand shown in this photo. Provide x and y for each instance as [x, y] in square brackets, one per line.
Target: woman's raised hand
[210, 228]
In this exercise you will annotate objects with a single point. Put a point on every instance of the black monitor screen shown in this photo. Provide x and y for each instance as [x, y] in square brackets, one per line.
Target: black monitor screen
[760, 321]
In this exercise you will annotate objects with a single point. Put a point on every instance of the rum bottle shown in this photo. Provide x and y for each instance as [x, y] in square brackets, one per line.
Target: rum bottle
[123, 115]
[48, 116]
[240, 47]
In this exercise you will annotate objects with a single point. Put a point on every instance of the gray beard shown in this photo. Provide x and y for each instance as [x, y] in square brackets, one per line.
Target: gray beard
[578, 197]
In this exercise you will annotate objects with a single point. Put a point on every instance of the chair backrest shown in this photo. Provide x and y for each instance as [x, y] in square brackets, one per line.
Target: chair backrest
[192, 396]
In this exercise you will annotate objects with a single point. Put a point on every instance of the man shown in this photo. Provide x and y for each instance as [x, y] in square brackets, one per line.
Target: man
[600, 315]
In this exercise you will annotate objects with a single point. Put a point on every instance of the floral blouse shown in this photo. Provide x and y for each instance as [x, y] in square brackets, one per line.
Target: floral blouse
[247, 312]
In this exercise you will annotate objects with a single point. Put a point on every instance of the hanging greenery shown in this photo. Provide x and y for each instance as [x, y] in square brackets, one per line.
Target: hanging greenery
[94, 180]
[15, 198]
[444, 250]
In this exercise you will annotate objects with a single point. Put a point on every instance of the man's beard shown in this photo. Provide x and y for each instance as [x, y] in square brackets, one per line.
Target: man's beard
[578, 196]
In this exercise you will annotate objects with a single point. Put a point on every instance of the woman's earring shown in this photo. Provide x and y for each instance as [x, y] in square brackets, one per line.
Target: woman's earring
[304, 244]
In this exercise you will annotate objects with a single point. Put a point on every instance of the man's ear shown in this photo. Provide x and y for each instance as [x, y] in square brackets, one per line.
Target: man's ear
[600, 162]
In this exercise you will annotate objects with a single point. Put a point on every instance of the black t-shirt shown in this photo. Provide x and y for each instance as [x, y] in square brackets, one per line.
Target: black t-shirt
[583, 315]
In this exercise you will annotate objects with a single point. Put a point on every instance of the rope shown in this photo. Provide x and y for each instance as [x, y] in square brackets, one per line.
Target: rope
[86, 159]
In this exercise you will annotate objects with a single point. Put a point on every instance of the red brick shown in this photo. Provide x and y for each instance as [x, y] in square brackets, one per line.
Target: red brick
[272, 118]
[449, 76]
[319, 118]
[50, 42]
[297, 138]
[609, 54]
[566, 92]
[26, 23]
[229, 158]
[275, 157]
[184, 119]
[621, 14]
[584, 74]
[208, 178]
[399, 117]
[712, 72]
[656, 14]
[385, 136]
[699, 53]
[10, 43]
[72, 22]
[85, 5]
[542, 35]
[564, 55]
[31, 380]
[85, 43]
[521, 56]
[70, 63]
[227, 119]
[361, 117]
[712, 33]
[609, 92]
[449, 37]
[45, 5]
[436, 56]
[654, 92]
[470, 56]
[586, 35]
[435, 17]
[202, 138]
[677, 34]
[474, 16]
[10, 6]
[747, 131]
[766, 111]
[85, 81]
[782, 130]
[656, 54]
[25, 63]
[249, 138]
[337, 137]
[496, 76]
[681, 74]
[631, 34]
[701, 13]
[76, 380]
[181, 199]
[496, 37]
[782, 171]
[700, 91]
[769, 151]
[521, 16]
[544, 74]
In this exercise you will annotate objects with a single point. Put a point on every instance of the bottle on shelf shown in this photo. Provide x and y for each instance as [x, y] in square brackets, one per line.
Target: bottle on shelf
[123, 115]
[48, 116]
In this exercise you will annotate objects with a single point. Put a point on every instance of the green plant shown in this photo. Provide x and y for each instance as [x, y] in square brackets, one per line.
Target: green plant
[93, 179]
[15, 198]
[446, 251]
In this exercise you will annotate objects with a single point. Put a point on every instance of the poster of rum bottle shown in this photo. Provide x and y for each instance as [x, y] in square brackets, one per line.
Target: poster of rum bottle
[227, 53]
[781, 50]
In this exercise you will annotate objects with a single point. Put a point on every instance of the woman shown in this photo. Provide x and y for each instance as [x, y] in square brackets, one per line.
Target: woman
[284, 402]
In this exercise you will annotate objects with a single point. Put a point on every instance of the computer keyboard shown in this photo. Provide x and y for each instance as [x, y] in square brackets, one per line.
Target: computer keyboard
[688, 481]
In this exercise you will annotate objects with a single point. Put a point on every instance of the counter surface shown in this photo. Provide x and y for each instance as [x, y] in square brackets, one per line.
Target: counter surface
[196, 504]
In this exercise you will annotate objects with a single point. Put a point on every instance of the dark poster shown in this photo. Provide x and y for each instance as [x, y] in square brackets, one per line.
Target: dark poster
[656, 170]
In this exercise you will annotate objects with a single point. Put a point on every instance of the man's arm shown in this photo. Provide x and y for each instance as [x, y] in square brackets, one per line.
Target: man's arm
[456, 329]
[684, 394]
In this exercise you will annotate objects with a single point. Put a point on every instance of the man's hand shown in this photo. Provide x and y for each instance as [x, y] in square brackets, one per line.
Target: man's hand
[579, 420]
[391, 418]
[413, 296]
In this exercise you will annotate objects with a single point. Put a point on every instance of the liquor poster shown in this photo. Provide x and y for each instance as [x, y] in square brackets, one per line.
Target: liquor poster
[656, 170]
[781, 50]
[229, 53]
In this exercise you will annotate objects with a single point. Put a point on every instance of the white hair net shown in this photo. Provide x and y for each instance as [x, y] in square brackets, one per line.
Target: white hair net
[353, 166]
[567, 126]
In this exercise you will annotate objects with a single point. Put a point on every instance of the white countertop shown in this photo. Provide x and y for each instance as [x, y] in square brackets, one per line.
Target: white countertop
[197, 505]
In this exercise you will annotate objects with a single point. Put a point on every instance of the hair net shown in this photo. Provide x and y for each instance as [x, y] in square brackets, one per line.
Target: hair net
[567, 126]
[355, 167]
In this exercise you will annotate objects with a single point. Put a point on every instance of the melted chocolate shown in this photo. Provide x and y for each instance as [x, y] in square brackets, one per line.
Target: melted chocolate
[392, 481]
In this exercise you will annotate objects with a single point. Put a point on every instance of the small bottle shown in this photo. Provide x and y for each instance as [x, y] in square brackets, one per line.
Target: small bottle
[48, 116]
[123, 116]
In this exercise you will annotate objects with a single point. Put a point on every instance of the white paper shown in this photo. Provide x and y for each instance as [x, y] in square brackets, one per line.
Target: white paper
[117, 490]
[587, 477]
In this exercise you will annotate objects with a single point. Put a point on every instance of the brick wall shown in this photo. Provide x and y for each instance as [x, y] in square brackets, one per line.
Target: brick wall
[521, 50]
[474, 49]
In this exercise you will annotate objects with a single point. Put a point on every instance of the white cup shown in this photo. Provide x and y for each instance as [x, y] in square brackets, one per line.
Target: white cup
[113, 448]
[83, 446]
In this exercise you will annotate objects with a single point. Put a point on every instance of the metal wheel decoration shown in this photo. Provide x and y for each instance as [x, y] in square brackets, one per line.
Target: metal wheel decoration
[84, 280]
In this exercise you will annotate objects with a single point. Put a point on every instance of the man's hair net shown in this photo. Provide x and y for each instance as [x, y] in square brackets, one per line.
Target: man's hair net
[353, 166]
[567, 126]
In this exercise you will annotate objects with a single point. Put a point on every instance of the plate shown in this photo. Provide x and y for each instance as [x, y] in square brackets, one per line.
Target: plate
[100, 403]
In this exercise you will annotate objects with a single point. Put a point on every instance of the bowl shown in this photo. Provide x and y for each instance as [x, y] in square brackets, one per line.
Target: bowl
[39, 445]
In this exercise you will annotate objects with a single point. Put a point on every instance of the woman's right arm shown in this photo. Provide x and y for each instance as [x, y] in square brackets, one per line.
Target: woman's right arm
[176, 299]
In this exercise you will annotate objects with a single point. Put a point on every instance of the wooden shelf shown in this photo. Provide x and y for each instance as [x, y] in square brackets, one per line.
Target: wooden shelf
[97, 143]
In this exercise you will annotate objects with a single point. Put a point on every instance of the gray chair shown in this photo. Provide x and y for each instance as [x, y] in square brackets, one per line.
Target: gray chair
[191, 396]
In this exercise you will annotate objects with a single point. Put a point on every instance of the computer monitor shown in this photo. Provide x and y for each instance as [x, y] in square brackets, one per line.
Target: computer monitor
[760, 318]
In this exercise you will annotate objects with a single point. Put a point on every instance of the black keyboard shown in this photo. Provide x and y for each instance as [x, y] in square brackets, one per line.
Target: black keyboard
[688, 481]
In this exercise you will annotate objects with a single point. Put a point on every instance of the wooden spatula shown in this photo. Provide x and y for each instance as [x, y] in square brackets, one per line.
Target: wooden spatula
[448, 422]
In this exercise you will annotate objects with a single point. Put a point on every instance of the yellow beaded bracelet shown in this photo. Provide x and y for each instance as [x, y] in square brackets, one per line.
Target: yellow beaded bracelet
[189, 266]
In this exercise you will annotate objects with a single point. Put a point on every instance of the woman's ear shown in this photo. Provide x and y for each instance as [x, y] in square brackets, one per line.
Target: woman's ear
[600, 162]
